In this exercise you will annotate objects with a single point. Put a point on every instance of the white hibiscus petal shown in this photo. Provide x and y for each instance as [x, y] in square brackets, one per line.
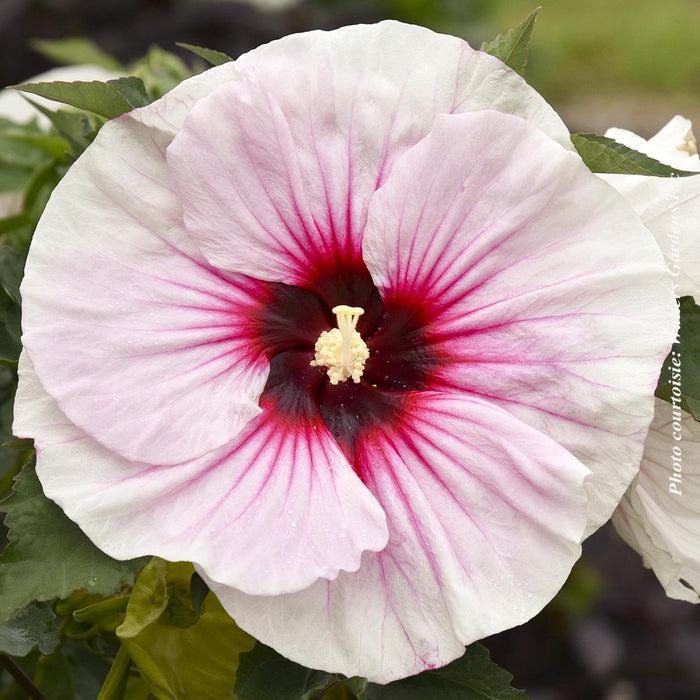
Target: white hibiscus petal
[674, 144]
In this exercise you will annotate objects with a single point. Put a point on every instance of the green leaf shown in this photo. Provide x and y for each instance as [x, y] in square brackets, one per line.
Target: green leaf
[14, 151]
[512, 47]
[681, 370]
[54, 677]
[136, 689]
[351, 689]
[263, 673]
[109, 99]
[12, 454]
[43, 178]
[107, 606]
[472, 677]
[216, 58]
[115, 683]
[48, 555]
[48, 144]
[198, 592]
[13, 178]
[180, 661]
[605, 155]
[13, 223]
[132, 90]
[74, 126]
[10, 344]
[11, 272]
[160, 71]
[75, 51]
[34, 626]
[88, 669]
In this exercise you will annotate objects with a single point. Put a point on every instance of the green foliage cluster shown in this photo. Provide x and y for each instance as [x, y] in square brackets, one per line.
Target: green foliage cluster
[645, 46]
[79, 625]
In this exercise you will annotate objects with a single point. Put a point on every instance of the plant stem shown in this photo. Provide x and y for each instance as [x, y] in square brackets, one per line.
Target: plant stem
[21, 677]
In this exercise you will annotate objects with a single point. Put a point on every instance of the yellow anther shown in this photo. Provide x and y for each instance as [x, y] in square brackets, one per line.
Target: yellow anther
[342, 350]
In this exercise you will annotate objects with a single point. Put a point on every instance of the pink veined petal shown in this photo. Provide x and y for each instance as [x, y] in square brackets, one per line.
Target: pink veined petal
[285, 161]
[141, 342]
[658, 516]
[670, 208]
[485, 517]
[542, 289]
[269, 513]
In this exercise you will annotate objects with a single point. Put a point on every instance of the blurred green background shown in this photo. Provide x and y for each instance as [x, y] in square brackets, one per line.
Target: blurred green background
[605, 62]
[600, 62]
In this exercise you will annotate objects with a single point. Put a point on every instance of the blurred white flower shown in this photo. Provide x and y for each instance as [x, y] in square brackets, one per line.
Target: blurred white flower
[659, 515]
[674, 145]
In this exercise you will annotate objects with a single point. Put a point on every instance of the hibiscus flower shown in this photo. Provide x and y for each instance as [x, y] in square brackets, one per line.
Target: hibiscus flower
[348, 324]
[658, 516]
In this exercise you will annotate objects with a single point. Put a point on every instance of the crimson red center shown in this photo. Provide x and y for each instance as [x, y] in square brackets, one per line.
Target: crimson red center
[288, 324]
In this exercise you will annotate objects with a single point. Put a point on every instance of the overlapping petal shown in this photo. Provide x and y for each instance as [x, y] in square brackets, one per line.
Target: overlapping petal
[296, 175]
[123, 318]
[268, 513]
[461, 481]
[528, 269]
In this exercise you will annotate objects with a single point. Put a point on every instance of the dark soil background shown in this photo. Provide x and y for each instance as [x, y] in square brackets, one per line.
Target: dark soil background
[623, 640]
[612, 634]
